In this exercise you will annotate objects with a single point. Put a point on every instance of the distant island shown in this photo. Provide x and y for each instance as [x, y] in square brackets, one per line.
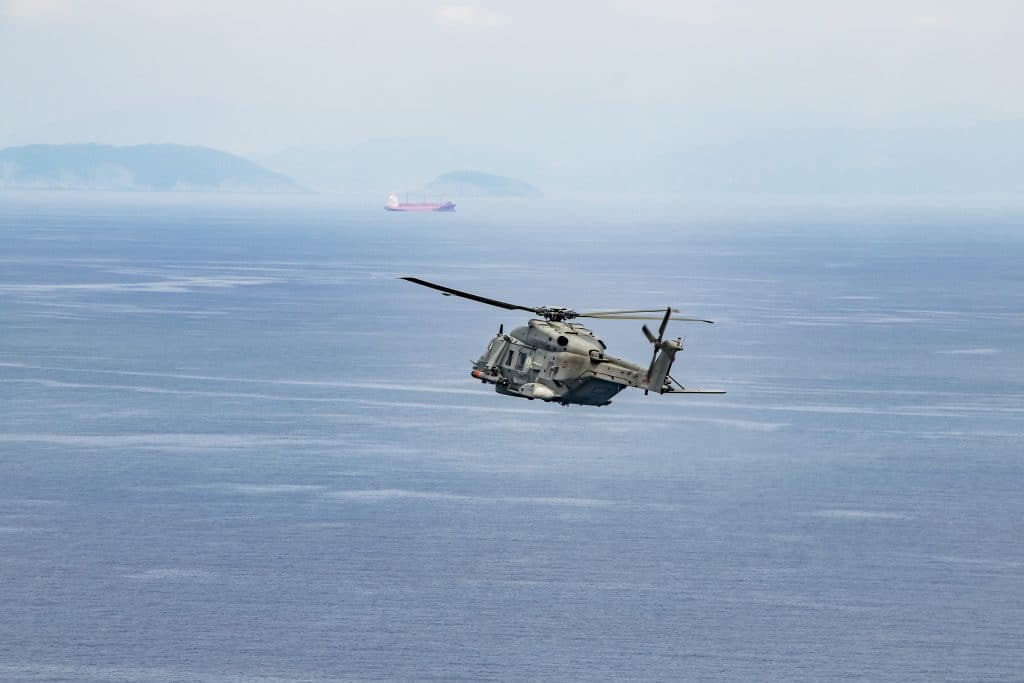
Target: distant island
[161, 168]
[479, 184]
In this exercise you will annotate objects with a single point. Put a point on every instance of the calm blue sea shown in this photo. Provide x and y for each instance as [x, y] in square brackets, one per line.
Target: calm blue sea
[233, 446]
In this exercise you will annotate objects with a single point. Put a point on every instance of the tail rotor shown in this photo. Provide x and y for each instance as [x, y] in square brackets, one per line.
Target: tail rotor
[664, 355]
[658, 371]
[657, 344]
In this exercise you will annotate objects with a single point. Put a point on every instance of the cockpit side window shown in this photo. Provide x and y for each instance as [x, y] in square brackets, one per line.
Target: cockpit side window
[520, 360]
[508, 358]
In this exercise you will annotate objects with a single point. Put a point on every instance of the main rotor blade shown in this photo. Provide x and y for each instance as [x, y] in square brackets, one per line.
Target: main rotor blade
[645, 317]
[467, 295]
[591, 314]
[620, 317]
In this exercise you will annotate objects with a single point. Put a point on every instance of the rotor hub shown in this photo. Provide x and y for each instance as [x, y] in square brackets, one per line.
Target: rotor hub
[556, 313]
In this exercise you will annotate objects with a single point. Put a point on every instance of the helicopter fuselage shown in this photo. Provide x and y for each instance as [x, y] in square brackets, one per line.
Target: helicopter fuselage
[559, 361]
[556, 361]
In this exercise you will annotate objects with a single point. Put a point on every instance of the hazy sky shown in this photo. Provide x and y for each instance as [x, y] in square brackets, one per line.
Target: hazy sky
[554, 80]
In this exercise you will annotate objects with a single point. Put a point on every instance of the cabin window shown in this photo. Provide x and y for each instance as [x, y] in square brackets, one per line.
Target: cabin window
[520, 361]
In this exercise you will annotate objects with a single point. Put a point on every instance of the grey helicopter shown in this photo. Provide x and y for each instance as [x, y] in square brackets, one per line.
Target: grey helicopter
[559, 361]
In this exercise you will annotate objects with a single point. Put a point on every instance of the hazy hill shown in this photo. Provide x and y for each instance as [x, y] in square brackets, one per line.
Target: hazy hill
[480, 184]
[401, 164]
[139, 167]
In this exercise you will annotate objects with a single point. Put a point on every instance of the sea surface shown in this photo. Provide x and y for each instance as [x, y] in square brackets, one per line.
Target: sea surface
[234, 446]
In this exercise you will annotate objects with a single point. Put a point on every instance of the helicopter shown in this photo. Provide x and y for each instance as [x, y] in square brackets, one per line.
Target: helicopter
[556, 360]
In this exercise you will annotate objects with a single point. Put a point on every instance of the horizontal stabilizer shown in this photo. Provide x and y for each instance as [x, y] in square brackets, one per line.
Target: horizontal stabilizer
[696, 391]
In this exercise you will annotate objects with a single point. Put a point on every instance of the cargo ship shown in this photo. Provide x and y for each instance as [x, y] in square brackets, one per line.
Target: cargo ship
[395, 205]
